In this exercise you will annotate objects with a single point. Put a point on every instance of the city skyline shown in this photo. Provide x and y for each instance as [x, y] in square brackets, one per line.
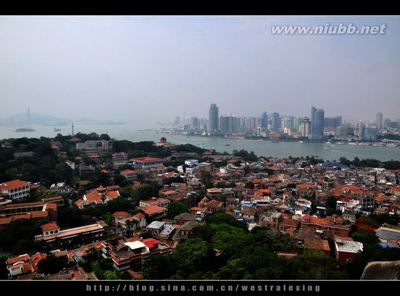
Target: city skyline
[267, 116]
[142, 69]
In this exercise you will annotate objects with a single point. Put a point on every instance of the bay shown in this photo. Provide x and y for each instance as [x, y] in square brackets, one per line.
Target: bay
[132, 132]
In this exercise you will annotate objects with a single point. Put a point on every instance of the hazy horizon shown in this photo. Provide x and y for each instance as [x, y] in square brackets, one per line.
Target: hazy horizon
[144, 69]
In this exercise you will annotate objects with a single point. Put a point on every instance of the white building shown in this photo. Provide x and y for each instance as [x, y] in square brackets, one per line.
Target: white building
[16, 189]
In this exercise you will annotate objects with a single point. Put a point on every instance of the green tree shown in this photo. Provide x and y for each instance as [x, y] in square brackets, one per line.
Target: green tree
[175, 209]
[145, 191]
[110, 275]
[331, 205]
[52, 264]
[315, 265]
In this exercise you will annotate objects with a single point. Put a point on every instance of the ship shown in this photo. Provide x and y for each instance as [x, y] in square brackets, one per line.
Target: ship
[24, 129]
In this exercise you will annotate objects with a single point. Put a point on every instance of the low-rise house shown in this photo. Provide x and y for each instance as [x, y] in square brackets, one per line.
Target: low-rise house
[72, 274]
[23, 264]
[346, 249]
[5, 220]
[316, 243]
[248, 214]
[199, 213]
[16, 189]
[184, 231]
[214, 193]
[160, 229]
[98, 196]
[154, 212]
[214, 206]
[329, 226]
[54, 236]
[289, 226]
[154, 201]
[183, 218]
[131, 254]
[147, 162]
[119, 159]
[129, 174]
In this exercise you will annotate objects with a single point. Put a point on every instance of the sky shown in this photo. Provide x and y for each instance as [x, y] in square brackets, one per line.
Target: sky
[144, 69]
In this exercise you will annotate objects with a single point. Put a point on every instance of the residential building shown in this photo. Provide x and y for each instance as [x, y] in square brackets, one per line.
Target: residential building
[346, 249]
[147, 162]
[317, 123]
[15, 189]
[213, 124]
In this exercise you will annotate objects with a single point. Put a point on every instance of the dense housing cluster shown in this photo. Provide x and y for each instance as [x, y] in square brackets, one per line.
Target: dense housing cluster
[115, 209]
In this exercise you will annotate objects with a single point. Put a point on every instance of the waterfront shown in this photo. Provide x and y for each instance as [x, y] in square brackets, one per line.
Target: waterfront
[260, 147]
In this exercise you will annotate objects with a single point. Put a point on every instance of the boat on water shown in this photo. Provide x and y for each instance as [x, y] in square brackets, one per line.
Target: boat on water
[24, 130]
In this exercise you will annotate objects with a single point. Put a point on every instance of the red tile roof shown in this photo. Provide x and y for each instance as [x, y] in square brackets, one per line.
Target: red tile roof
[23, 258]
[127, 172]
[147, 159]
[152, 210]
[150, 242]
[49, 227]
[121, 214]
[14, 184]
[139, 216]
[36, 258]
[52, 199]
[93, 196]
[305, 186]
[112, 194]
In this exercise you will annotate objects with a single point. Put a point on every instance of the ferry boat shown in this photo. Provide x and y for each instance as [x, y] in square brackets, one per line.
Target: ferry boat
[24, 129]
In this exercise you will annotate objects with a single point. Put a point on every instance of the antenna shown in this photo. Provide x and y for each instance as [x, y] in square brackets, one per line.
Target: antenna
[72, 128]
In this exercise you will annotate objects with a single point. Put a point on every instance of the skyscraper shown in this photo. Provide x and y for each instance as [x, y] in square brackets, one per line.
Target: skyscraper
[332, 122]
[264, 120]
[317, 123]
[275, 122]
[379, 120]
[213, 119]
[305, 127]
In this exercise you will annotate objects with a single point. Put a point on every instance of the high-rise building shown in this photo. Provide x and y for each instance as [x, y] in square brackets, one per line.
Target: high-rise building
[332, 122]
[264, 120]
[224, 124]
[305, 127]
[387, 123]
[287, 122]
[370, 134]
[296, 123]
[194, 123]
[213, 119]
[344, 131]
[317, 123]
[379, 120]
[275, 122]
[177, 121]
[229, 124]
[361, 131]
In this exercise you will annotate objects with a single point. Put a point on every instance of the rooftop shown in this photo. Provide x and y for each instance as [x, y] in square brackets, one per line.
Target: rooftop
[14, 184]
[343, 245]
[147, 159]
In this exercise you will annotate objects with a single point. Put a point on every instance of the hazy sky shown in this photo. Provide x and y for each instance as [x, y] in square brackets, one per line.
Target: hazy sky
[145, 69]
